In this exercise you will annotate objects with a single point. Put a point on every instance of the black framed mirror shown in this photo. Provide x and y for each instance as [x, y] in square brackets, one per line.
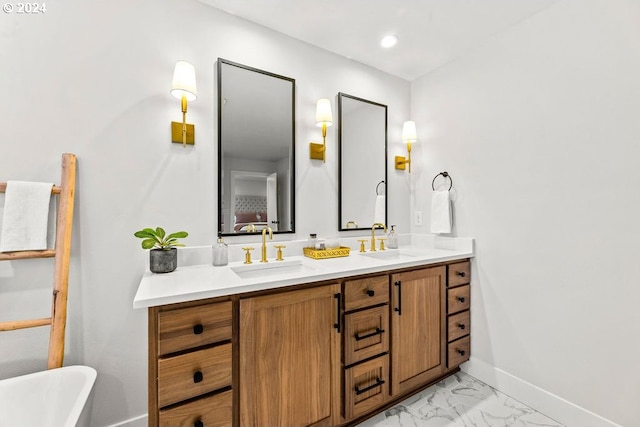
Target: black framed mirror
[256, 150]
[362, 147]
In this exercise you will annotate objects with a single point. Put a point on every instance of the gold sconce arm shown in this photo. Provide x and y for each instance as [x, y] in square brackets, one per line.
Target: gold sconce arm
[324, 118]
[183, 87]
[409, 134]
[317, 151]
[402, 162]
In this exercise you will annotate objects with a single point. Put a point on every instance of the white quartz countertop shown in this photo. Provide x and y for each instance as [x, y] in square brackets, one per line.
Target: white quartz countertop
[194, 282]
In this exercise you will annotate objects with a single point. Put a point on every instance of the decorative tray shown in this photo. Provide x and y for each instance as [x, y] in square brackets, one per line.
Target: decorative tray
[326, 253]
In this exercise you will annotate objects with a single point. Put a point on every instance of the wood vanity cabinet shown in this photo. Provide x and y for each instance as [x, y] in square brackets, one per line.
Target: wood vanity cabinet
[190, 365]
[290, 358]
[418, 329]
[365, 345]
[458, 314]
[321, 354]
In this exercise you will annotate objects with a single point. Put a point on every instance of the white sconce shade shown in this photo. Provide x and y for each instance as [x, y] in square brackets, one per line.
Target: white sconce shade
[323, 113]
[409, 132]
[184, 81]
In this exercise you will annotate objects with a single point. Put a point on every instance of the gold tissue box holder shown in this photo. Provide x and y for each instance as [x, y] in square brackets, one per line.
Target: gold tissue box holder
[326, 253]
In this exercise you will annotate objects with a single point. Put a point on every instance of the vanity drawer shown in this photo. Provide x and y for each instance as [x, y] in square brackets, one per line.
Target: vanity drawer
[458, 274]
[366, 334]
[214, 410]
[366, 292]
[192, 374]
[458, 351]
[459, 325]
[458, 299]
[366, 386]
[192, 327]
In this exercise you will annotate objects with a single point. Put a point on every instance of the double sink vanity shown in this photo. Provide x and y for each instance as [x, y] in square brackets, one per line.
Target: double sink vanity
[301, 342]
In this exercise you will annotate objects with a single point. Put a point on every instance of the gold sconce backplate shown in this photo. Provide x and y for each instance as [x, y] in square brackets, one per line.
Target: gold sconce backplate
[401, 163]
[316, 151]
[176, 133]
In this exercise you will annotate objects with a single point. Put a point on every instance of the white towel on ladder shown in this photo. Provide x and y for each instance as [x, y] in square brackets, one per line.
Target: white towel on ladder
[440, 212]
[26, 215]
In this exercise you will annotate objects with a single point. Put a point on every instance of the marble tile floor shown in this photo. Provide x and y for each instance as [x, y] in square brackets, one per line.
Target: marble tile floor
[460, 401]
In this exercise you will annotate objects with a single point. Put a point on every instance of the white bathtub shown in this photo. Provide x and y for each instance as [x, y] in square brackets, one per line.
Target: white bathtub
[54, 398]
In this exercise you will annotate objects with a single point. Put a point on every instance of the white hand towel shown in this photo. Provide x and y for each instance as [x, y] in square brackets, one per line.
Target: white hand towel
[378, 213]
[440, 212]
[26, 214]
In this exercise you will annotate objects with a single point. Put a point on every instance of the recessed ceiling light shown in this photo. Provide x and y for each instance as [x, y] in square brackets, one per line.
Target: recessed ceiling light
[389, 41]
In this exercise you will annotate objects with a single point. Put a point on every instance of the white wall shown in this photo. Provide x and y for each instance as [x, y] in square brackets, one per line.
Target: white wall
[93, 78]
[539, 130]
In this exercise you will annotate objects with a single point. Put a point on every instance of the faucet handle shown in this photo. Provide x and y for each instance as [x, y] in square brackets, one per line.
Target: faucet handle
[362, 242]
[247, 255]
[382, 239]
[279, 254]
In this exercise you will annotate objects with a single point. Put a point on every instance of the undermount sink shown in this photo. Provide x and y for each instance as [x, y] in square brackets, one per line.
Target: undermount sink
[390, 254]
[270, 268]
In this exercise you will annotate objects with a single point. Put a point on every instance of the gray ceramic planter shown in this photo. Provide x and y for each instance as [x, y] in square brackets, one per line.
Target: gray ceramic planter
[163, 261]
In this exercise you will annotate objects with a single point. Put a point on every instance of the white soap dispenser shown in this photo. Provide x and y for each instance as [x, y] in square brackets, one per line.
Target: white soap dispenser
[392, 239]
[220, 252]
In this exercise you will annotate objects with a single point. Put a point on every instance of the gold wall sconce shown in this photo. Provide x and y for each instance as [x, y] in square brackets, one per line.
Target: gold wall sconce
[324, 118]
[183, 87]
[409, 135]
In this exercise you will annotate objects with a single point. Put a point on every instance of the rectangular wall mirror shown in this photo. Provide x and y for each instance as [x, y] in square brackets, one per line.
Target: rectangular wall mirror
[362, 141]
[256, 143]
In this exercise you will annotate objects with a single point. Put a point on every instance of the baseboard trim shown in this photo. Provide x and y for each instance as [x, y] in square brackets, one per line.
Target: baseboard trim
[561, 410]
[139, 421]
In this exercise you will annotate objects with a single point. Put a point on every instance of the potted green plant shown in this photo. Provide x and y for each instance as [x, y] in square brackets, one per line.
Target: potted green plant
[163, 257]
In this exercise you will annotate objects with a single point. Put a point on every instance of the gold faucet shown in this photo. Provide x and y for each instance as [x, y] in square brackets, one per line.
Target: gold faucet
[373, 234]
[355, 224]
[251, 228]
[264, 242]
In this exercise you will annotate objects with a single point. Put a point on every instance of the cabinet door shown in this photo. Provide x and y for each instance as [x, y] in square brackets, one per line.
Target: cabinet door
[418, 329]
[290, 358]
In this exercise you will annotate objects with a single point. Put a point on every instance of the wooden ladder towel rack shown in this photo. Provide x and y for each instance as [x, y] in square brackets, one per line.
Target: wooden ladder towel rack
[61, 252]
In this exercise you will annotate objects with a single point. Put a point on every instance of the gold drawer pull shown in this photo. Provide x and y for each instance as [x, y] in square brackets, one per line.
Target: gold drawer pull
[359, 391]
